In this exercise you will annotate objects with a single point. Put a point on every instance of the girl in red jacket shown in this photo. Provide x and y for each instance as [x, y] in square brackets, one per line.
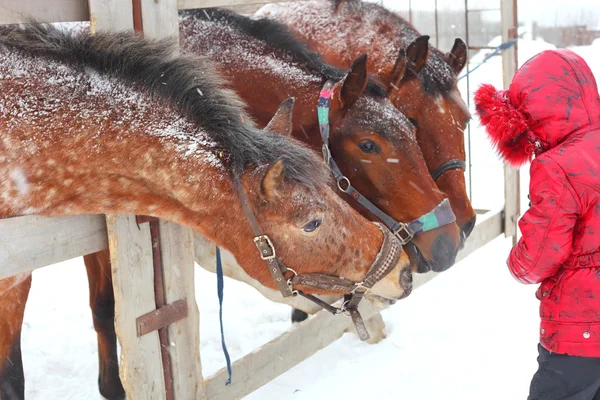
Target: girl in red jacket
[551, 114]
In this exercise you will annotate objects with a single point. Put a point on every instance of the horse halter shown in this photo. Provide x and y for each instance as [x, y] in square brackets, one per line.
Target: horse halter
[448, 166]
[384, 263]
[441, 215]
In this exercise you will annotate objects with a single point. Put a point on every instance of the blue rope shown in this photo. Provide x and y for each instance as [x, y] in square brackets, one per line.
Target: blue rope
[500, 49]
[220, 294]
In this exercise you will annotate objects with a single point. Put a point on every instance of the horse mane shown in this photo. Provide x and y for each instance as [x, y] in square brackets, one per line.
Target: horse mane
[436, 76]
[280, 37]
[189, 83]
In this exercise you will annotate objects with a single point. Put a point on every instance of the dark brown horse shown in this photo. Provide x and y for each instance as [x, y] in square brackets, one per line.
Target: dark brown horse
[421, 79]
[115, 124]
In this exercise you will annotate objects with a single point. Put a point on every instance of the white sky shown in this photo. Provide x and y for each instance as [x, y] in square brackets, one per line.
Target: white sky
[546, 12]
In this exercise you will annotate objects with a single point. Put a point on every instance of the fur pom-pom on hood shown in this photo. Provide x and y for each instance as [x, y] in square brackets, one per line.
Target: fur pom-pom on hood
[506, 126]
[551, 98]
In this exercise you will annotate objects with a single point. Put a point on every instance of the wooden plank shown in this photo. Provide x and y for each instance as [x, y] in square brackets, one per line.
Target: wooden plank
[18, 11]
[189, 4]
[177, 245]
[297, 344]
[110, 15]
[281, 354]
[160, 19]
[31, 242]
[133, 279]
[509, 68]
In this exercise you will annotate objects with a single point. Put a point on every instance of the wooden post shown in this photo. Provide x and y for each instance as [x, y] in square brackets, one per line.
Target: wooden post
[110, 15]
[509, 67]
[133, 280]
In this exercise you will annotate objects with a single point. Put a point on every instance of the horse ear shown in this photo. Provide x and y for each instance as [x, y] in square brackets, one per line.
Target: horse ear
[399, 71]
[417, 54]
[457, 58]
[272, 179]
[282, 120]
[354, 83]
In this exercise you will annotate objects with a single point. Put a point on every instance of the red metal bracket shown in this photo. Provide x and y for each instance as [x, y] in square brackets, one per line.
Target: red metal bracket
[162, 317]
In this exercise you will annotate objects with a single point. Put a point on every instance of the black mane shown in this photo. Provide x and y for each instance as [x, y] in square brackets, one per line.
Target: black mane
[188, 83]
[280, 37]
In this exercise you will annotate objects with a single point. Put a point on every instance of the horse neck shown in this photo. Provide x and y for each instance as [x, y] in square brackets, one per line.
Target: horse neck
[260, 75]
[78, 144]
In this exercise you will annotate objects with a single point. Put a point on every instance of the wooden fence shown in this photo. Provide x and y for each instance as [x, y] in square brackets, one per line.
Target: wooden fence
[31, 242]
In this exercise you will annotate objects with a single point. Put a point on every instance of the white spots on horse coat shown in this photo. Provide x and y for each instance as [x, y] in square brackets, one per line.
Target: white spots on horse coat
[393, 160]
[20, 181]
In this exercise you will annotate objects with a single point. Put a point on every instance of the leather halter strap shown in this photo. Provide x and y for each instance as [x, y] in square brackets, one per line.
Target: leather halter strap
[385, 261]
[448, 166]
[441, 215]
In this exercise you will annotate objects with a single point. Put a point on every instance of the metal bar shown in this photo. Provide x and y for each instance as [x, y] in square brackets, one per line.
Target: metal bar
[159, 296]
[138, 25]
[162, 317]
[31, 242]
[481, 48]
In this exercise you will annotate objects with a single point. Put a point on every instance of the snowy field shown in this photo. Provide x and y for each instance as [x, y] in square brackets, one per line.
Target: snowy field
[469, 334]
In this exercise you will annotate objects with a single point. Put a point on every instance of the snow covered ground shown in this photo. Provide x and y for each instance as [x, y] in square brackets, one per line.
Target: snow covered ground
[469, 334]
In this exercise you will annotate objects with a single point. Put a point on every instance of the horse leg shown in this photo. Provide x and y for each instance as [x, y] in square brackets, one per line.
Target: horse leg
[102, 303]
[13, 297]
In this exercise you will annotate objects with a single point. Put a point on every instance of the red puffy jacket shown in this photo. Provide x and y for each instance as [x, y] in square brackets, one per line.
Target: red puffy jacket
[552, 110]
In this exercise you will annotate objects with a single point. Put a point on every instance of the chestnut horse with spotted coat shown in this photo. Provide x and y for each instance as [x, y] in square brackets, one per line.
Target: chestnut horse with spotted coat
[112, 123]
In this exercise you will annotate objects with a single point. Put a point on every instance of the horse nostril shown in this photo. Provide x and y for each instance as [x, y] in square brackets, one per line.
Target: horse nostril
[467, 228]
[444, 253]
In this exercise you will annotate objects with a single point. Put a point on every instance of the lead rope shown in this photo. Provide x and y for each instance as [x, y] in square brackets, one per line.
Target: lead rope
[220, 287]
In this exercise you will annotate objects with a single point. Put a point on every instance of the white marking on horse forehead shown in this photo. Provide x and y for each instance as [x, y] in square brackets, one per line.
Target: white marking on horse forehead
[20, 181]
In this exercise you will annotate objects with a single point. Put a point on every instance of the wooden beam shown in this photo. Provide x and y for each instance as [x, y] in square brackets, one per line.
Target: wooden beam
[19, 11]
[31, 242]
[110, 15]
[509, 68]
[133, 282]
[160, 19]
[177, 246]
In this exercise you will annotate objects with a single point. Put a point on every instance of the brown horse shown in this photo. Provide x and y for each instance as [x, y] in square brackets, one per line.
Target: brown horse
[373, 144]
[115, 124]
[421, 80]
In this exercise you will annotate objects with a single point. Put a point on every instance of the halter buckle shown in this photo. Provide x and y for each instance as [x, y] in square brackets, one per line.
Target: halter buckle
[265, 247]
[403, 234]
[359, 285]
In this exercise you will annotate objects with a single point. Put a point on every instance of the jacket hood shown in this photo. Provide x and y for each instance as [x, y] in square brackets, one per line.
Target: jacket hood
[552, 96]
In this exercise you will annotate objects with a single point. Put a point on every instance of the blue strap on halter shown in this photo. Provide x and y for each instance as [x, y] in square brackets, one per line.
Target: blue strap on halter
[220, 294]
[441, 215]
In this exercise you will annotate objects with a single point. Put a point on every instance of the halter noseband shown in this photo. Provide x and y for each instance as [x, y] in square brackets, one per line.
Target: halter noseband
[385, 261]
[448, 166]
[441, 215]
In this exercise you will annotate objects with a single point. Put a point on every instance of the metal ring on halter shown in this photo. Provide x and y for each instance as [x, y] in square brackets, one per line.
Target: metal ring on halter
[408, 234]
[339, 184]
[343, 310]
[289, 282]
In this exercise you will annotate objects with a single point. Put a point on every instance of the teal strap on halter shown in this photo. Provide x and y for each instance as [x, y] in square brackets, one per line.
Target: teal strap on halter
[436, 218]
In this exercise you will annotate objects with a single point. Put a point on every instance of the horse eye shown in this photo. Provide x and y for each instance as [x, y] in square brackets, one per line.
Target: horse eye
[312, 225]
[368, 146]
[414, 122]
